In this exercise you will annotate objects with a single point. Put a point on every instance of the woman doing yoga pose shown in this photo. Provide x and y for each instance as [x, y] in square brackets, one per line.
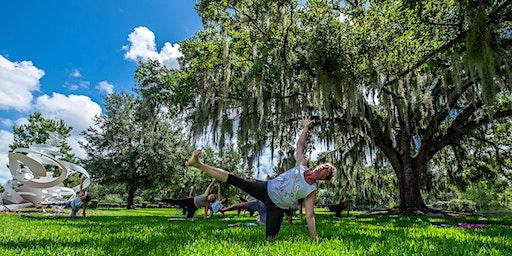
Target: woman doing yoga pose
[282, 192]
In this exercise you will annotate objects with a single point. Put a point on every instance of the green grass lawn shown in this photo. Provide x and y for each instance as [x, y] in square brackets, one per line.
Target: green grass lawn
[148, 231]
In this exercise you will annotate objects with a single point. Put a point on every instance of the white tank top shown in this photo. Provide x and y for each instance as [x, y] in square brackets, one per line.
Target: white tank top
[286, 189]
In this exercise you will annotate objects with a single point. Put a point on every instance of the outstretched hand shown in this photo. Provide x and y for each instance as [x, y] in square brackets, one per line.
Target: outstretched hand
[306, 122]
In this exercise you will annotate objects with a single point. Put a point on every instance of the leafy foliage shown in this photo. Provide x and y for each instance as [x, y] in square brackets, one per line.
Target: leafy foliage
[129, 147]
[139, 141]
[401, 79]
[37, 131]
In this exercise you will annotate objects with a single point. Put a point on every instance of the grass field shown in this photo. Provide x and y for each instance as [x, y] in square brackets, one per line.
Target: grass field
[149, 232]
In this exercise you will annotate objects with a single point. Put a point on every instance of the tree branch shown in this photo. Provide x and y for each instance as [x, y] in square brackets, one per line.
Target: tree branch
[461, 128]
[426, 58]
[492, 18]
[253, 21]
[434, 125]
[494, 14]
[494, 145]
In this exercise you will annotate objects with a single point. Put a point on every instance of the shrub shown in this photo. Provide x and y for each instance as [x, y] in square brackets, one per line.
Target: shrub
[138, 200]
[485, 196]
[458, 205]
[112, 199]
[93, 204]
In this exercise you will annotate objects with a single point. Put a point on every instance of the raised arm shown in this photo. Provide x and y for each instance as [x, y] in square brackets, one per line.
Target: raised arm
[209, 188]
[192, 191]
[82, 178]
[309, 204]
[206, 212]
[84, 208]
[218, 191]
[82, 193]
[301, 143]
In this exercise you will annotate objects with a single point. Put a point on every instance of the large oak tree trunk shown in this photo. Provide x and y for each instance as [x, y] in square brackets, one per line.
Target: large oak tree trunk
[131, 195]
[407, 170]
[409, 186]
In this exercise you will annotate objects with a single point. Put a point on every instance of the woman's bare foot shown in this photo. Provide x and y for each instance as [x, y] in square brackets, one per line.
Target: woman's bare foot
[194, 159]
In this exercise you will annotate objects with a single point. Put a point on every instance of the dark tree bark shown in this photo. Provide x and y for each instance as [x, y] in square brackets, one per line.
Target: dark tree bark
[132, 188]
[407, 171]
[409, 185]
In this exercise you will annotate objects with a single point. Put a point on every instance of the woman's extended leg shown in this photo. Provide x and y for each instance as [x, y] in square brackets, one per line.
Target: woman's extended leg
[180, 202]
[255, 188]
[214, 172]
[183, 203]
[234, 207]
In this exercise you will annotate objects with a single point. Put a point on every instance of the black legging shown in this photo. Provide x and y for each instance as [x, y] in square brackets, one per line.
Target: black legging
[186, 203]
[258, 190]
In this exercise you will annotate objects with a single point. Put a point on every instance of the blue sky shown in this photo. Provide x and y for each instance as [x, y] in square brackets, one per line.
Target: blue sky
[88, 35]
[61, 57]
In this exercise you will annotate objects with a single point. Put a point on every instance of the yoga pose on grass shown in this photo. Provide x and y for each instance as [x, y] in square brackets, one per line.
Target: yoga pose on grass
[251, 206]
[77, 203]
[281, 192]
[218, 204]
[191, 204]
[192, 193]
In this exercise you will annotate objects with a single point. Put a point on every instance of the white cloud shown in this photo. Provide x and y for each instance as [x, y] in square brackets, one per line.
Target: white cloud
[77, 111]
[143, 46]
[169, 55]
[73, 86]
[6, 138]
[105, 87]
[75, 73]
[17, 82]
[6, 122]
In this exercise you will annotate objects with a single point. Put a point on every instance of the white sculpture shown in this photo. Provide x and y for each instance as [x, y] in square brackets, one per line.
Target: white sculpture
[32, 183]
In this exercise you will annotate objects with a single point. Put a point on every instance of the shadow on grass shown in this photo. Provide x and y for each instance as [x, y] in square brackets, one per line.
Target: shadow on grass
[154, 233]
[132, 234]
[402, 221]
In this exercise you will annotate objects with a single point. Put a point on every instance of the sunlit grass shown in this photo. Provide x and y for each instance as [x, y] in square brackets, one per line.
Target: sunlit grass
[148, 231]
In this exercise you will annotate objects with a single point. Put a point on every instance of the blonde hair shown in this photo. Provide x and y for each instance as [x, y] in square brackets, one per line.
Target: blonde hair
[212, 196]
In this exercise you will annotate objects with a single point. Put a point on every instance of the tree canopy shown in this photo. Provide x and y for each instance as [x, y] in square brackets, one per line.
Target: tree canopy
[138, 141]
[37, 131]
[400, 79]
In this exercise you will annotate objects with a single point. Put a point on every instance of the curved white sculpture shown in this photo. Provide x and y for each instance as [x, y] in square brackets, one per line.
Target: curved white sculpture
[32, 183]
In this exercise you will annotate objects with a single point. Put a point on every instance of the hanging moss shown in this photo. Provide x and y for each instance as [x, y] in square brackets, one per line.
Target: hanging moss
[480, 54]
